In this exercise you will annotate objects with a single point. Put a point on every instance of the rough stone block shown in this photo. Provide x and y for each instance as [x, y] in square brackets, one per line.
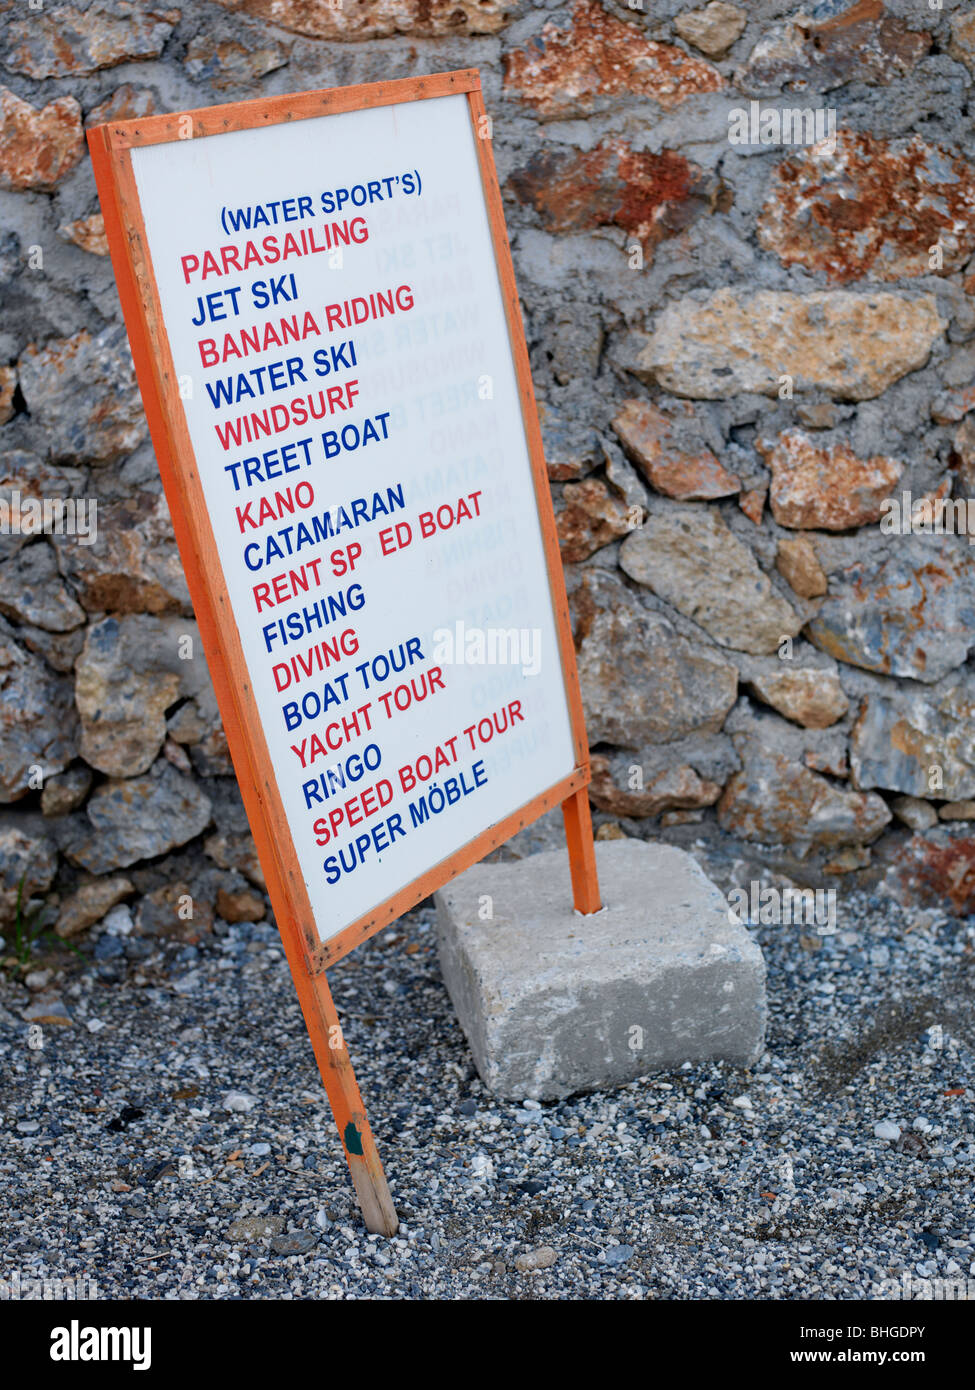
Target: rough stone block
[553, 1002]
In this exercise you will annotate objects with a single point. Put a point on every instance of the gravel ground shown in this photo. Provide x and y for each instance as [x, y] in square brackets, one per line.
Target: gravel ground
[122, 1163]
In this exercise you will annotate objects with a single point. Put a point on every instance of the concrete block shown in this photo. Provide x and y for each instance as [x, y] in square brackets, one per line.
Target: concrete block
[553, 1002]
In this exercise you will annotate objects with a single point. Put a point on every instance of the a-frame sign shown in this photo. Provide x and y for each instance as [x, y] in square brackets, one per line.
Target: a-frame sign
[322, 310]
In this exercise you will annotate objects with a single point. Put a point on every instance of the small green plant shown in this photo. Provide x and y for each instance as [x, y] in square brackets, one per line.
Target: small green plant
[26, 934]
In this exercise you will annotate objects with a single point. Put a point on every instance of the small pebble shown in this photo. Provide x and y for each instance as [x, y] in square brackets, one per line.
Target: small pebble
[542, 1258]
[238, 1102]
[618, 1254]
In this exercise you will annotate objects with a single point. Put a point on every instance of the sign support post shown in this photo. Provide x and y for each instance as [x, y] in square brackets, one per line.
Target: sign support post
[582, 852]
[331, 1053]
[166, 185]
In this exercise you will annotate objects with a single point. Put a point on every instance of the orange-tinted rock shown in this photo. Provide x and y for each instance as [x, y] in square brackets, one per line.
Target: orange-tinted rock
[240, 906]
[127, 103]
[89, 903]
[963, 38]
[236, 852]
[8, 384]
[712, 29]
[834, 762]
[676, 788]
[739, 339]
[88, 233]
[590, 518]
[174, 911]
[911, 615]
[827, 489]
[177, 755]
[808, 696]
[939, 868]
[669, 452]
[122, 691]
[652, 196]
[211, 756]
[137, 818]
[776, 801]
[610, 831]
[377, 19]
[914, 811]
[66, 792]
[848, 860]
[38, 146]
[900, 735]
[226, 63]
[796, 561]
[572, 447]
[752, 504]
[691, 559]
[568, 71]
[641, 682]
[871, 207]
[952, 406]
[25, 481]
[817, 415]
[133, 566]
[862, 43]
[69, 42]
[82, 390]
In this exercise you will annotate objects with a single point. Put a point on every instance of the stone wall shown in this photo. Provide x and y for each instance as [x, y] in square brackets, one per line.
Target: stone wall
[740, 350]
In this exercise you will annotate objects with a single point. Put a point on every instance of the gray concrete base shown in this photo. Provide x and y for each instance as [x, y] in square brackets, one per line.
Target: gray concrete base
[553, 1002]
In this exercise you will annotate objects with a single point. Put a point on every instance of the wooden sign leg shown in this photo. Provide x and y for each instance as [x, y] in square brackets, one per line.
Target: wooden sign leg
[582, 852]
[335, 1066]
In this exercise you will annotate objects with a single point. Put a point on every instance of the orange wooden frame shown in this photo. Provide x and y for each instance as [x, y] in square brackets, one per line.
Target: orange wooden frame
[307, 955]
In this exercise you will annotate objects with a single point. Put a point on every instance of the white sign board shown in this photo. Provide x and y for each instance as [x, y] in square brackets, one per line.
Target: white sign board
[333, 308]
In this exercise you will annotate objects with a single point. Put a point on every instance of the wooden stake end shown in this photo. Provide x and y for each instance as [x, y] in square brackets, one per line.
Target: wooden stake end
[582, 852]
